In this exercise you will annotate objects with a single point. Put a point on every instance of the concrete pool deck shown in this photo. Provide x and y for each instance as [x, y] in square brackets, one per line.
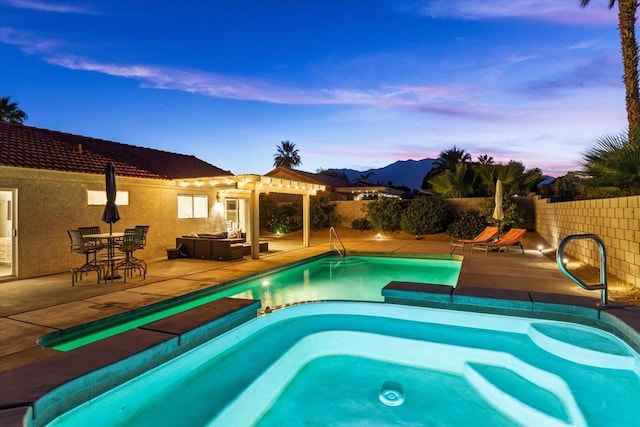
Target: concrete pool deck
[32, 308]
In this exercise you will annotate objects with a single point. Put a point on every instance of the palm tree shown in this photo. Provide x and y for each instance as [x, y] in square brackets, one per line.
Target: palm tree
[10, 112]
[447, 161]
[627, 19]
[613, 167]
[287, 155]
[453, 183]
[485, 159]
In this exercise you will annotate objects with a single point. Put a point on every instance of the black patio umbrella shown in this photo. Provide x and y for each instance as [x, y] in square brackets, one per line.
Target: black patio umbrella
[110, 214]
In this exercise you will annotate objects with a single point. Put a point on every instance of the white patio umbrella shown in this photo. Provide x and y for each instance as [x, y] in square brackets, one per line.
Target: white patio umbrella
[498, 213]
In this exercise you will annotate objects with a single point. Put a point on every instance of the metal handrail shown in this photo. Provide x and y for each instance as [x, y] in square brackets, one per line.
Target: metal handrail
[603, 264]
[333, 246]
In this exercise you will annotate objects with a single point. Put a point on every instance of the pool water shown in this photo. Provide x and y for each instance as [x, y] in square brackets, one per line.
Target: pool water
[358, 278]
[355, 278]
[328, 363]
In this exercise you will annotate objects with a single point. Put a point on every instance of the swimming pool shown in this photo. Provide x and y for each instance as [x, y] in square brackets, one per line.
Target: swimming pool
[359, 363]
[357, 278]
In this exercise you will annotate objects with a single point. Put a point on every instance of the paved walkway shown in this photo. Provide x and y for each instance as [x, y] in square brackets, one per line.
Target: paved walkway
[32, 308]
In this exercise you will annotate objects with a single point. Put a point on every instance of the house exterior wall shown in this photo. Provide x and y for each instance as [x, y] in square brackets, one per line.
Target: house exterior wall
[50, 202]
[615, 220]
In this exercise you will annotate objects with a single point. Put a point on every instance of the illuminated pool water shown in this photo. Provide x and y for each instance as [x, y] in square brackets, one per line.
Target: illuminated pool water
[329, 363]
[358, 278]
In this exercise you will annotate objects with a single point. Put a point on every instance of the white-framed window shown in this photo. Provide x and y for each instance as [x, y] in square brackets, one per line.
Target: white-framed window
[95, 198]
[193, 206]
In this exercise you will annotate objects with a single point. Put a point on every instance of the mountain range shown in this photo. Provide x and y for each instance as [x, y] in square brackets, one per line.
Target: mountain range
[403, 172]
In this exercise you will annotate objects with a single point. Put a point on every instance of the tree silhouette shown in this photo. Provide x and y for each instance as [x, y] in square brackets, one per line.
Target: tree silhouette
[287, 155]
[626, 24]
[10, 112]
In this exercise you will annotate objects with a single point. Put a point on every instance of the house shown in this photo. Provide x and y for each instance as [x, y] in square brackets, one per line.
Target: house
[336, 188]
[53, 181]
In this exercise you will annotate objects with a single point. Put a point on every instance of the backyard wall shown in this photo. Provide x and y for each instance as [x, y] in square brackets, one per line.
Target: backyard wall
[616, 221]
[352, 209]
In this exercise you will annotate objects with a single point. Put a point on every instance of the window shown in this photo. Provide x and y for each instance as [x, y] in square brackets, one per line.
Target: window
[193, 206]
[100, 198]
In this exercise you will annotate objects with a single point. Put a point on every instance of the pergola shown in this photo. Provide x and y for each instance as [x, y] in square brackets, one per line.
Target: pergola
[250, 187]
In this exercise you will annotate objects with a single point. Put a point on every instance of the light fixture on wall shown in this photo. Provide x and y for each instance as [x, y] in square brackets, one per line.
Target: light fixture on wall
[218, 205]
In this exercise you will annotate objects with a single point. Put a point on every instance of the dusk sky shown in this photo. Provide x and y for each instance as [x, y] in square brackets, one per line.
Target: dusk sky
[353, 83]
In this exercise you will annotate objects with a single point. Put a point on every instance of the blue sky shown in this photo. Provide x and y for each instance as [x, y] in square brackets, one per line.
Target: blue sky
[353, 83]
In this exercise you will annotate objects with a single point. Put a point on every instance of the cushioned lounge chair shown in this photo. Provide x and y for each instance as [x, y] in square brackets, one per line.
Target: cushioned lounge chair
[511, 238]
[486, 235]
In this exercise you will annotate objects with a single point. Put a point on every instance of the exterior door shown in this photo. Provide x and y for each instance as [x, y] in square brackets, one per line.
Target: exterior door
[8, 240]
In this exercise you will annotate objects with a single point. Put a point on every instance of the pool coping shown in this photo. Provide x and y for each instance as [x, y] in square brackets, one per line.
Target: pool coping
[44, 390]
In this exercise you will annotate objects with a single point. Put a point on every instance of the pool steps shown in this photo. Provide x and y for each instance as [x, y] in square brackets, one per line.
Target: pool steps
[257, 398]
[621, 320]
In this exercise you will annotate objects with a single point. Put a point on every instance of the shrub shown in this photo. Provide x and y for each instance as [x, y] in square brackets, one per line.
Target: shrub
[467, 225]
[361, 224]
[514, 215]
[425, 215]
[323, 213]
[384, 213]
[283, 218]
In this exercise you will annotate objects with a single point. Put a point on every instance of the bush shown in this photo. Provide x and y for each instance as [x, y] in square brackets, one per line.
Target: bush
[276, 218]
[323, 213]
[361, 224]
[467, 225]
[384, 214]
[514, 215]
[425, 215]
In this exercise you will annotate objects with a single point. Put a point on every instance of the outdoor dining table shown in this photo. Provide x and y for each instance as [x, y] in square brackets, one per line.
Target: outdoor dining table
[111, 239]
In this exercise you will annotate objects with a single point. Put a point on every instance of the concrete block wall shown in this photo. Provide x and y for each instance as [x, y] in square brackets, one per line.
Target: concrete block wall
[615, 220]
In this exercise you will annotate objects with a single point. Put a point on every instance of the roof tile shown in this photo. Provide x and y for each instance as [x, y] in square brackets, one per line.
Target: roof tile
[30, 147]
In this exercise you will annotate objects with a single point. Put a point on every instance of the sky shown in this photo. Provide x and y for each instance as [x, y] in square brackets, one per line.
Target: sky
[353, 83]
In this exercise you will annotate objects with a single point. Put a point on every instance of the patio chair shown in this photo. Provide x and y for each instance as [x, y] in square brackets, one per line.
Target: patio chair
[89, 230]
[81, 246]
[486, 235]
[511, 238]
[131, 242]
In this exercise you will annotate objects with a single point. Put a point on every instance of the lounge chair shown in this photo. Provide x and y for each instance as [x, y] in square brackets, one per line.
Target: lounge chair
[483, 237]
[510, 238]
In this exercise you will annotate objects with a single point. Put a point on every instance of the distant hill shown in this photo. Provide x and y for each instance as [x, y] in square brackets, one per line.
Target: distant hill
[402, 172]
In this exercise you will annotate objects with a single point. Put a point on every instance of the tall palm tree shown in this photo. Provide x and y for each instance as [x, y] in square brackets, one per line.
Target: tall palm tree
[10, 112]
[287, 155]
[485, 159]
[627, 19]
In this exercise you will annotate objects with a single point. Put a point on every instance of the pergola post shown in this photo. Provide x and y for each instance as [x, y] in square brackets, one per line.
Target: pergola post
[255, 223]
[306, 219]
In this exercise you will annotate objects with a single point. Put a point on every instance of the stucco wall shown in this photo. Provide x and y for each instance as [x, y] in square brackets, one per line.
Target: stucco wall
[616, 221]
[50, 202]
[349, 210]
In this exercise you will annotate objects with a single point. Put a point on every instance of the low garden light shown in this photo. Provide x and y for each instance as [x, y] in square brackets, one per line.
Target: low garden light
[540, 247]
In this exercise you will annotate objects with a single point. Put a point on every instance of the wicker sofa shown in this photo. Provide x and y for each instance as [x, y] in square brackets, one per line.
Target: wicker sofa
[215, 246]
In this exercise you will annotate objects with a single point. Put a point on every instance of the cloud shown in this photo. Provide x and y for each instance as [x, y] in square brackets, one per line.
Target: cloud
[568, 12]
[49, 7]
[417, 97]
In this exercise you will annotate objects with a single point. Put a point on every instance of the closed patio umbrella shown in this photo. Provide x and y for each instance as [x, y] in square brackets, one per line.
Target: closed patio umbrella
[498, 213]
[110, 214]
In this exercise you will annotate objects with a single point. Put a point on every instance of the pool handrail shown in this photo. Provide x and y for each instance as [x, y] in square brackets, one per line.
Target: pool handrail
[333, 246]
[603, 265]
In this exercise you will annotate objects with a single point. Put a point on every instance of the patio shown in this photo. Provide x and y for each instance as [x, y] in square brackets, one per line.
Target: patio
[32, 308]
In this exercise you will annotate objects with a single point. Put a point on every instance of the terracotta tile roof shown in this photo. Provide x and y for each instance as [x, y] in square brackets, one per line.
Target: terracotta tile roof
[30, 147]
[315, 178]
